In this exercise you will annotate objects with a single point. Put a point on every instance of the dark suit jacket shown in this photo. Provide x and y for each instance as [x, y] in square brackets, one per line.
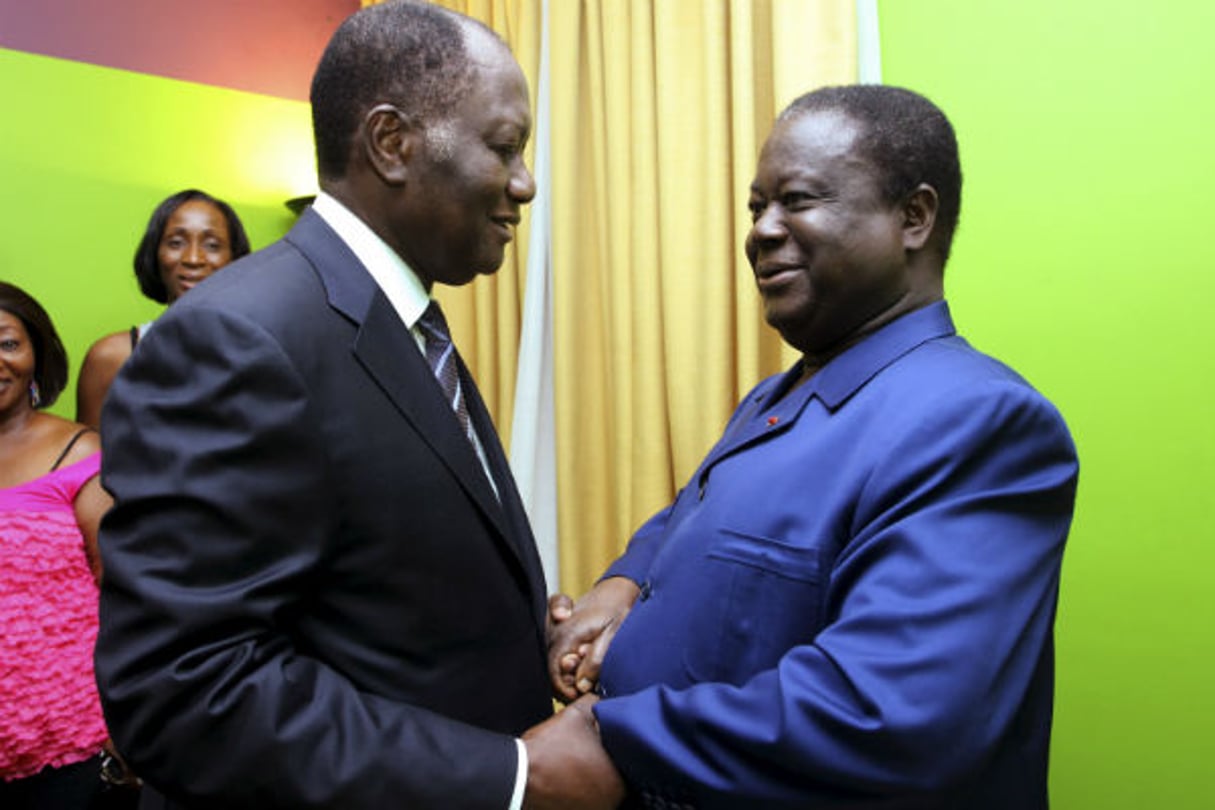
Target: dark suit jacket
[312, 596]
[851, 603]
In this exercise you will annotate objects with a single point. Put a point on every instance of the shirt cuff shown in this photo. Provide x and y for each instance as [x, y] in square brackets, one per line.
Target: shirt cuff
[516, 798]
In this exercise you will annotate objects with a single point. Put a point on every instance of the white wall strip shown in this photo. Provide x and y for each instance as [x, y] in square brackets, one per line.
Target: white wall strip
[868, 43]
[533, 456]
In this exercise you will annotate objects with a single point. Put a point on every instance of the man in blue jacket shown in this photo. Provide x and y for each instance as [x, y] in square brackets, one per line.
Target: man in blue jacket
[851, 602]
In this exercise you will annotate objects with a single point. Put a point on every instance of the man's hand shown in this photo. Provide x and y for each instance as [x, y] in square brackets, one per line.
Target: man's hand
[579, 634]
[567, 768]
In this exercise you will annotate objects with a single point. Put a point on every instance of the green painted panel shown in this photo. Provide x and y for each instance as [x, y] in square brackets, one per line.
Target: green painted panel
[86, 153]
[1082, 259]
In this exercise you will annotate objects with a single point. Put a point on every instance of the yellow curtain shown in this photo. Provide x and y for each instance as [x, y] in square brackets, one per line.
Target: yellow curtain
[658, 111]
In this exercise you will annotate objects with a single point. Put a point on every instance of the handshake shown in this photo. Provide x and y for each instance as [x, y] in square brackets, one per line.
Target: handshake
[568, 768]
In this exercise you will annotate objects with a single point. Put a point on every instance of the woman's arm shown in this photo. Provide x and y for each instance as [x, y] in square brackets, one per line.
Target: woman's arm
[101, 365]
[91, 502]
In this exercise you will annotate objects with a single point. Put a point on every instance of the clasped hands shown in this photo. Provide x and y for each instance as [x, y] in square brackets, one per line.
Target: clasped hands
[568, 769]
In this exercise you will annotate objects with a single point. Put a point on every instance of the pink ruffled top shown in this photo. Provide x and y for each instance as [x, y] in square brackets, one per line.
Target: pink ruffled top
[49, 710]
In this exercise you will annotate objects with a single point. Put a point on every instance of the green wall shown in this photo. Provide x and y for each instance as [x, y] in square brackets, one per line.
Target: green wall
[1084, 259]
[87, 152]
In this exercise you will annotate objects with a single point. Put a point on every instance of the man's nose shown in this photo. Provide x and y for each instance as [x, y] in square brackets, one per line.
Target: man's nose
[769, 226]
[522, 186]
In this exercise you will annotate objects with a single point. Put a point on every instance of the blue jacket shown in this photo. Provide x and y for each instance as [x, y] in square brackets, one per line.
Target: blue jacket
[851, 602]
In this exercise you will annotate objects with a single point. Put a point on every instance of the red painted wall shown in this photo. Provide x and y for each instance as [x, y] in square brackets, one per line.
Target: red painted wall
[262, 46]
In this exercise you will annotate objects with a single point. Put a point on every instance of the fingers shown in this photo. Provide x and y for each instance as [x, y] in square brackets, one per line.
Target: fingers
[563, 654]
[579, 634]
[570, 661]
[574, 681]
[590, 660]
[568, 644]
[560, 608]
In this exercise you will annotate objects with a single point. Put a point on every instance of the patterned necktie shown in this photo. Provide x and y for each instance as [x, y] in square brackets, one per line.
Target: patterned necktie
[441, 355]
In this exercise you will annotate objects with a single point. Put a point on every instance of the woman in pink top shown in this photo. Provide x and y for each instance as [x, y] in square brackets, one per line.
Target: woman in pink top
[51, 729]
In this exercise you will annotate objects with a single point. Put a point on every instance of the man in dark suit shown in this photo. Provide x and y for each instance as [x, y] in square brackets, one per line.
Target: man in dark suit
[321, 589]
[851, 603]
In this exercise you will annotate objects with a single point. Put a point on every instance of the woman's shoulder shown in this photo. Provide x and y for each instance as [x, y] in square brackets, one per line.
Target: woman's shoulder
[113, 348]
[69, 441]
[50, 442]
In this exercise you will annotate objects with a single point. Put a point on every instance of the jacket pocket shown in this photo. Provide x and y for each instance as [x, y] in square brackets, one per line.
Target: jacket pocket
[768, 601]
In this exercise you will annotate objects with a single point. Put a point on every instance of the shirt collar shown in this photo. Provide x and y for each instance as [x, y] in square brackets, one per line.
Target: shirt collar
[394, 277]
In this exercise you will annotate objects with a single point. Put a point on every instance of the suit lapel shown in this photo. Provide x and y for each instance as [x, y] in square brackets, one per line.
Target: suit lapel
[387, 351]
[511, 505]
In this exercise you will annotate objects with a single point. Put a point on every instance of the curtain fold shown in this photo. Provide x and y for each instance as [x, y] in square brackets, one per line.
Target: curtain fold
[658, 109]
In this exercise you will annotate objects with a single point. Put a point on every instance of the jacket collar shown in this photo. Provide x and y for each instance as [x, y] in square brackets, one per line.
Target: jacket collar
[843, 376]
[834, 384]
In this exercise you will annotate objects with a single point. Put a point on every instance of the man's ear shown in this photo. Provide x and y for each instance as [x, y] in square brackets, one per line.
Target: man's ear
[388, 141]
[919, 215]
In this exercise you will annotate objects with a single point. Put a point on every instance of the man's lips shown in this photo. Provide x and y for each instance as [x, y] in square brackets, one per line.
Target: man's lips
[768, 273]
[506, 225]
